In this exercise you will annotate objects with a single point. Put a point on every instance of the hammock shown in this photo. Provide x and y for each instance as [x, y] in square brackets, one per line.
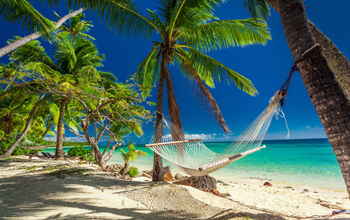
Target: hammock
[195, 159]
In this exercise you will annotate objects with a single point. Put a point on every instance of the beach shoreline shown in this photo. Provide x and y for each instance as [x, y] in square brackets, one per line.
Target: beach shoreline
[298, 163]
[27, 186]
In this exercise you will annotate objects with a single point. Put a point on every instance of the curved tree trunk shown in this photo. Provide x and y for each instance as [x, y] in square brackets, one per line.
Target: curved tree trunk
[16, 44]
[157, 174]
[32, 113]
[47, 129]
[8, 125]
[326, 94]
[174, 112]
[336, 60]
[59, 143]
[177, 133]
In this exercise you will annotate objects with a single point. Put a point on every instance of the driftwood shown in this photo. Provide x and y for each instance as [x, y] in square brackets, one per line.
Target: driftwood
[205, 183]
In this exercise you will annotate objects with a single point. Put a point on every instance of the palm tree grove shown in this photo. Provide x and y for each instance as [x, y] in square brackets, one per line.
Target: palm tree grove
[174, 109]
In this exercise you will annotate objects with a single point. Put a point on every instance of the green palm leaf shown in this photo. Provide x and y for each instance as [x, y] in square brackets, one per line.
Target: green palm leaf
[209, 69]
[148, 71]
[257, 8]
[31, 52]
[202, 91]
[21, 11]
[226, 33]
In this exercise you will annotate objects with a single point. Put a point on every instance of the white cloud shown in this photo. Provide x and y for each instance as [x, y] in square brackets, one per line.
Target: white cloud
[205, 137]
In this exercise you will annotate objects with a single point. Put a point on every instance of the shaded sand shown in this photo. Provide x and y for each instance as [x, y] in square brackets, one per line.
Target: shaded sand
[48, 189]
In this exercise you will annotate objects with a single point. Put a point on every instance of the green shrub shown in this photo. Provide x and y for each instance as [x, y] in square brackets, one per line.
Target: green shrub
[134, 172]
[23, 151]
[81, 152]
[7, 140]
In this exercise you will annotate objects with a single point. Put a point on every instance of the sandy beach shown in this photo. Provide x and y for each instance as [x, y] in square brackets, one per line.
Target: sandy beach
[48, 189]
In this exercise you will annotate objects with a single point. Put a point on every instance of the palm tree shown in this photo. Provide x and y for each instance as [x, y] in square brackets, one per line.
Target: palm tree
[21, 11]
[331, 102]
[119, 14]
[22, 94]
[336, 60]
[186, 28]
[75, 63]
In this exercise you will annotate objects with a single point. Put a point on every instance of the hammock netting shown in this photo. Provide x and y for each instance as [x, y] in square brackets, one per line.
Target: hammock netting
[196, 159]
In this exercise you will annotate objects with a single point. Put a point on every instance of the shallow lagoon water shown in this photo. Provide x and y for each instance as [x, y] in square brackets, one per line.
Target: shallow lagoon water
[305, 163]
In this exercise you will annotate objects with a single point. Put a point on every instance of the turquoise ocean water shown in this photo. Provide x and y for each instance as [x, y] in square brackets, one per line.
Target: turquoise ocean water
[293, 162]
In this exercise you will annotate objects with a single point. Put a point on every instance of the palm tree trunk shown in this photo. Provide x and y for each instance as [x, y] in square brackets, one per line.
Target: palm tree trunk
[16, 44]
[177, 133]
[8, 125]
[326, 94]
[157, 174]
[59, 143]
[47, 129]
[336, 60]
[174, 112]
[32, 113]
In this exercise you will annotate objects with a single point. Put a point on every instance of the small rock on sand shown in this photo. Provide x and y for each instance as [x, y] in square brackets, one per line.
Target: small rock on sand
[168, 177]
[267, 184]
[225, 194]
[216, 192]
[178, 176]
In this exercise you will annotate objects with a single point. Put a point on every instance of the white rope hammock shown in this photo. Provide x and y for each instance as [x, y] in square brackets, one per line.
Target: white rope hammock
[195, 159]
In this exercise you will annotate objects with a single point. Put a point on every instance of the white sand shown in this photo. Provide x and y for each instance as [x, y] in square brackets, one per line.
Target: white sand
[286, 200]
[27, 192]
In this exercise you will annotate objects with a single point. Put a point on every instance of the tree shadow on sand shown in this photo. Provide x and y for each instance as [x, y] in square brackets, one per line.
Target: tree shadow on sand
[31, 195]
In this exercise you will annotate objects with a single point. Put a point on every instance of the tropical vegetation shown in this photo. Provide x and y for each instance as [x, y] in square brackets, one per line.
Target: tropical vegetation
[39, 91]
[69, 91]
[186, 30]
[324, 70]
[129, 157]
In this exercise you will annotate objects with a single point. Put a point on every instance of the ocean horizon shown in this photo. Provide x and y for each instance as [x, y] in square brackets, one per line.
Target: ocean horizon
[296, 162]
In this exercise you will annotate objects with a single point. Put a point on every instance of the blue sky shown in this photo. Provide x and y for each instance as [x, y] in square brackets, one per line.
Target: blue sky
[267, 66]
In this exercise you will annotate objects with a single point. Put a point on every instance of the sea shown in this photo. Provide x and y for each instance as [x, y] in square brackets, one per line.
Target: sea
[305, 162]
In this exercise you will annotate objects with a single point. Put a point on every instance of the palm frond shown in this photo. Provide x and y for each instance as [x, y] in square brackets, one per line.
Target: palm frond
[155, 19]
[31, 52]
[226, 33]
[21, 11]
[258, 8]
[42, 71]
[148, 71]
[121, 15]
[206, 98]
[108, 76]
[210, 69]
[190, 13]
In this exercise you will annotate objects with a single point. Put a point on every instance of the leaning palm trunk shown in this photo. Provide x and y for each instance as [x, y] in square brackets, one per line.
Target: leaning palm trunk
[326, 94]
[32, 113]
[336, 60]
[47, 129]
[59, 142]
[16, 44]
[174, 112]
[157, 174]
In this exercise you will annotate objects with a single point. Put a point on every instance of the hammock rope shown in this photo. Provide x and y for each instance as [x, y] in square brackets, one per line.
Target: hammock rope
[196, 159]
